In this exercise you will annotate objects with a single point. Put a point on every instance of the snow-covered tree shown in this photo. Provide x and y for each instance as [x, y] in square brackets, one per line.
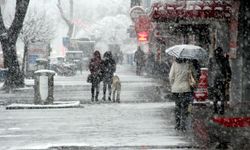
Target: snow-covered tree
[107, 21]
[37, 27]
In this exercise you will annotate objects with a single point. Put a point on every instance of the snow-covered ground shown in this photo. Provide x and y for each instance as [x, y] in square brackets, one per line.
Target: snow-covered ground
[142, 124]
[55, 105]
[143, 120]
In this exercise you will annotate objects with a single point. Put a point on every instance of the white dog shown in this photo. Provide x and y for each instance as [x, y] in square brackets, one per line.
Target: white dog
[116, 88]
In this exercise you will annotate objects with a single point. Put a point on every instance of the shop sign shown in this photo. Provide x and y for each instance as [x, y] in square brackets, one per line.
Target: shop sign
[135, 12]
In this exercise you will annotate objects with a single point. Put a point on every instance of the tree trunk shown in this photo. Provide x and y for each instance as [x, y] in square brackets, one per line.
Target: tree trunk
[70, 30]
[8, 38]
[68, 21]
[24, 63]
[14, 78]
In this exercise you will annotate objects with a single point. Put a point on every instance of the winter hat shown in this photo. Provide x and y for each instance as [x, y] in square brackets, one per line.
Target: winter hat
[218, 52]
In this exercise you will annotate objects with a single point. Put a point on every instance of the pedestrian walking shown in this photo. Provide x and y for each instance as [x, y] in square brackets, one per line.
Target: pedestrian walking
[219, 79]
[139, 60]
[95, 76]
[150, 63]
[228, 78]
[179, 77]
[121, 57]
[108, 69]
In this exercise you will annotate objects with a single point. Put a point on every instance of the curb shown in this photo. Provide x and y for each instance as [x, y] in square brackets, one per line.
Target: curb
[55, 105]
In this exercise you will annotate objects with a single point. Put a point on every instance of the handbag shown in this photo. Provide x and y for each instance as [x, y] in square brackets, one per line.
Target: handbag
[89, 78]
[192, 81]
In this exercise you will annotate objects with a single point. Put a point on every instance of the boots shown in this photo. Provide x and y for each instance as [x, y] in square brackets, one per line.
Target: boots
[104, 96]
[109, 98]
[96, 96]
[92, 93]
[92, 97]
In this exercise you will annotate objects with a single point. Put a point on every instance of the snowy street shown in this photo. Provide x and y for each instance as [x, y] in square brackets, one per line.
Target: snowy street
[93, 125]
[141, 121]
[124, 74]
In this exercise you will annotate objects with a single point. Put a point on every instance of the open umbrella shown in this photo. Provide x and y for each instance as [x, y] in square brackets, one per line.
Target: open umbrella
[187, 51]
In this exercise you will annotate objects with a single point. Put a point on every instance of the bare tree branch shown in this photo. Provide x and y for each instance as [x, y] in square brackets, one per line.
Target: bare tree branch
[37, 28]
[71, 9]
[3, 30]
[62, 13]
[67, 20]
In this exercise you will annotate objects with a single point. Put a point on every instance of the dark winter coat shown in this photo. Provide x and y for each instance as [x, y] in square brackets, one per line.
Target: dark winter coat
[139, 57]
[95, 67]
[219, 72]
[108, 67]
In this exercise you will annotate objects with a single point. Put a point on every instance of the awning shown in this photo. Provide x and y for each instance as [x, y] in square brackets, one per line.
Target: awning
[190, 10]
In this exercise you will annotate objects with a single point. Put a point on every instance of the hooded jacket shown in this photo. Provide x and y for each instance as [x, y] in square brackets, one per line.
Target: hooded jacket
[108, 66]
[95, 63]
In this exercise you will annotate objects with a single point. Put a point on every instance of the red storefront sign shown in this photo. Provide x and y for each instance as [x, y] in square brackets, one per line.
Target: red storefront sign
[135, 12]
[143, 24]
[142, 27]
[191, 10]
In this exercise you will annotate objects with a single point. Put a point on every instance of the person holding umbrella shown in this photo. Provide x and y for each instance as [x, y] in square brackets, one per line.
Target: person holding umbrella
[180, 76]
[180, 87]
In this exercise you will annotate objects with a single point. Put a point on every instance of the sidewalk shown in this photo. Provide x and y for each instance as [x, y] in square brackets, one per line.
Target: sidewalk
[143, 120]
[76, 88]
[142, 125]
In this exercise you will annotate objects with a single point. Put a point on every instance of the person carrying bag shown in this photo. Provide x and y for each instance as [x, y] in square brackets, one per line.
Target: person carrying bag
[180, 87]
[95, 76]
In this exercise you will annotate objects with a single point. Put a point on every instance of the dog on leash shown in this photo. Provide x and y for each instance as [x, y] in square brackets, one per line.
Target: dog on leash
[116, 88]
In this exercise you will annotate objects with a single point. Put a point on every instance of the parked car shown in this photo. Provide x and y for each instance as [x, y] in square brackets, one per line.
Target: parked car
[3, 72]
[64, 69]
